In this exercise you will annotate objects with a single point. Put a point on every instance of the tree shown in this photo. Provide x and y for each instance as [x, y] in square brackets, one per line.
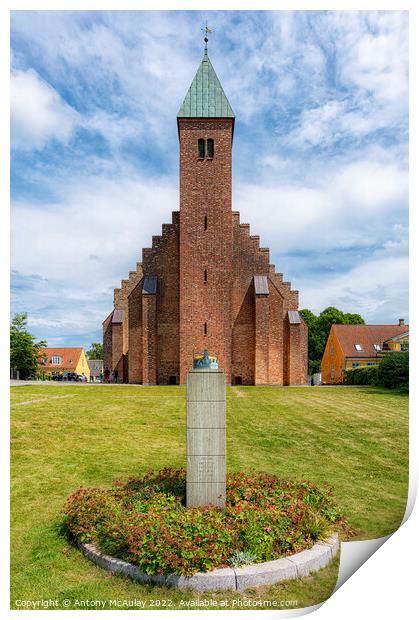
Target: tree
[24, 350]
[319, 329]
[95, 352]
[315, 350]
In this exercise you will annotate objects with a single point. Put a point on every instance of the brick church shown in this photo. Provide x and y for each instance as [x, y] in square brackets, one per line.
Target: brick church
[205, 283]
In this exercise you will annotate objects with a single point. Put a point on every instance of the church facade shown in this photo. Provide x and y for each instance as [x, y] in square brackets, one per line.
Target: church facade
[206, 283]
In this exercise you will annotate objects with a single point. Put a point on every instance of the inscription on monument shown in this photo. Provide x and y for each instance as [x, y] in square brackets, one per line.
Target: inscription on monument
[206, 469]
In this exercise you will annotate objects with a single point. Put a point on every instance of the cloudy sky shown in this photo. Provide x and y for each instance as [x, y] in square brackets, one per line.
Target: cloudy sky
[320, 158]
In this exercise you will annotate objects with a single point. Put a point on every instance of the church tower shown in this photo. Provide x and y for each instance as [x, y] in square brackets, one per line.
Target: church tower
[205, 282]
[205, 124]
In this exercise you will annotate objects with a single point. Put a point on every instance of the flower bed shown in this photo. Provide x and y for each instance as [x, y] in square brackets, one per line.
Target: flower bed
[145, 522]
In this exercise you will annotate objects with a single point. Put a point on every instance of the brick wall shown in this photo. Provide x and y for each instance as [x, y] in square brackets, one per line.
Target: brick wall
[135, 334]
[205, 192]
[162, 260]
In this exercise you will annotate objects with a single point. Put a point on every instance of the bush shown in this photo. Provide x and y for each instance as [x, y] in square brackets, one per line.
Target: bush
[144, 521]
[393, 371]
[367, 375]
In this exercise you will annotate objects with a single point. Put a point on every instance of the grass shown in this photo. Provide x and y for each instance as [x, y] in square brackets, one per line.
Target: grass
[352, 438]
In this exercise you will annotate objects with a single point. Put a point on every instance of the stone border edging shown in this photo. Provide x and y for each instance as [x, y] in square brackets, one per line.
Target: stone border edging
[298, 565]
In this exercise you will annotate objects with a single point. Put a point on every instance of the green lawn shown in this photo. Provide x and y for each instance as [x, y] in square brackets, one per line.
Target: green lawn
[353, 438]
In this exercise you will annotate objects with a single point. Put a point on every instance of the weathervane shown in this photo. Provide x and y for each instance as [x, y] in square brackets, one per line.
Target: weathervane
[207, 30]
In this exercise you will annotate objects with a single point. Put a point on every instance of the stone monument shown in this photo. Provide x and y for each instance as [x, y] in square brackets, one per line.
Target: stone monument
[205, 433]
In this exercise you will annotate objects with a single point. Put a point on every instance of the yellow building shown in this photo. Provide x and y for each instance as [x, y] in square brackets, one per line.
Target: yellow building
[355, 346]
[62, 360]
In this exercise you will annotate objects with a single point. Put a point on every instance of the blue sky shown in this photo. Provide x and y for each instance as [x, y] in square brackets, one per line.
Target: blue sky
[320, 156]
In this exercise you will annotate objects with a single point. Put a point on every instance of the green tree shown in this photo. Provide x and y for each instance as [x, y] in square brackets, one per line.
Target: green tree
[95, 352]
[319, 329]
[24, 350]
[315, 350]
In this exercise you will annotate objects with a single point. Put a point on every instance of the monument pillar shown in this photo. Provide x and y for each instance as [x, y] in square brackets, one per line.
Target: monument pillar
[205, 437]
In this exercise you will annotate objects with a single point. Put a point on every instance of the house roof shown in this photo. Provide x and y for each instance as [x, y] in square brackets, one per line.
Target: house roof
[69, 356]
[366, 336]
[205, 97]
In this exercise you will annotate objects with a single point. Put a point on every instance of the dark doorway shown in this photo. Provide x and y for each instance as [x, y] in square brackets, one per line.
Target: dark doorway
[237, 380]
[173, 380]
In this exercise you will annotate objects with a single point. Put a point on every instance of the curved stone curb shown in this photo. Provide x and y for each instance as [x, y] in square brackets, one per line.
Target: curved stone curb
[266, 573]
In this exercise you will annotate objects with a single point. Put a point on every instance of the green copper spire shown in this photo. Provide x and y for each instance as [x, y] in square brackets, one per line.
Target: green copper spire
[205, 97]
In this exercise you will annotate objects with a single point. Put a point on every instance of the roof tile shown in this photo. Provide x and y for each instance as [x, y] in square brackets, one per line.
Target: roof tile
[366, 336]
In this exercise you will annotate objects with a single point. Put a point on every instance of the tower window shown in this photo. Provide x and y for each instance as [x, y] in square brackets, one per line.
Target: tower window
[205, 222]
[210, 148]
[205, 329]
[205, 275]
[201, 148]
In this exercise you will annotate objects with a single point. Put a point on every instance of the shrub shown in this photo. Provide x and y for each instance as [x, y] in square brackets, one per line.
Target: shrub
[366, 375]
[144, 521]
[393, 371]
[241, 558]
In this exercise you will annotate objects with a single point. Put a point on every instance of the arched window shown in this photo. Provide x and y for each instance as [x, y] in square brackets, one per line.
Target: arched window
[56, 359]
[201, 148]
[210, 148]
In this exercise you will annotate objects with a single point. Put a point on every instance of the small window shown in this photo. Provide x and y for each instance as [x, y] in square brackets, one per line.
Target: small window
[173, 380]
[377, 347]
[205, 222]
[201, 148]
[56, 359]
[237, 381]
[205, 329]
[205, 275]
[210, 148]
[404, 346]
[358, 347]
[355, 364]
[332, 349]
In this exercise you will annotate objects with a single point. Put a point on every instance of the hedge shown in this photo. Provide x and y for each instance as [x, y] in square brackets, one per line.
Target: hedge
[392, 372]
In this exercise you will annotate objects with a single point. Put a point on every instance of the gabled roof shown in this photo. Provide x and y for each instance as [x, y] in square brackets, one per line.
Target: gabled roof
[118, 315]
[294, 317]
[205, 97]
[261, 285]
[398, 337]
[150, 285]
[69, 356]
[365, 335]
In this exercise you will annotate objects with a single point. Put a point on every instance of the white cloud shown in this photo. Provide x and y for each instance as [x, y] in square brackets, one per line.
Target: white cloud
[110, 219]
[342, 206]
[377, 289]
[38, 113]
